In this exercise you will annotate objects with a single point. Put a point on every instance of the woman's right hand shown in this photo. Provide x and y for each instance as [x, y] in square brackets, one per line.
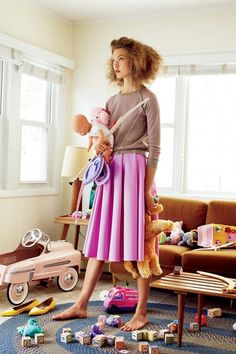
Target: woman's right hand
[101, 147]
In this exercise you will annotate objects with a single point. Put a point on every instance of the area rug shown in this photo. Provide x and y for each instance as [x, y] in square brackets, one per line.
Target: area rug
[218, 337]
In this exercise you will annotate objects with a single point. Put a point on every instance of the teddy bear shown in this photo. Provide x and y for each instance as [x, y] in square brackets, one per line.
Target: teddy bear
[97, 129]
[150, 265]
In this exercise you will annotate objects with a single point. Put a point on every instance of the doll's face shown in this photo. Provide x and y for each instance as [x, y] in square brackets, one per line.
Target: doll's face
[81, 125]
[121, 63]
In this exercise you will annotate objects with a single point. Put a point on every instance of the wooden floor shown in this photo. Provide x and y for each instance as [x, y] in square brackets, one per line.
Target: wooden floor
[105, 283]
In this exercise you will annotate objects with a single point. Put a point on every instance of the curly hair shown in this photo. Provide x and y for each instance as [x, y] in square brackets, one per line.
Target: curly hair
[145, 60]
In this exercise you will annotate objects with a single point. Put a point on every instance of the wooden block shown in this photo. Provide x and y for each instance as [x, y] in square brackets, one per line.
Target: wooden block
[152, 335]
[66, 337]
[137, 335]
[169, 338]
[110, 340]
[194, 327]
[26, 342]
[39, 338]
[153, 349]
[143, 347]
[119, 343]
[215, 312]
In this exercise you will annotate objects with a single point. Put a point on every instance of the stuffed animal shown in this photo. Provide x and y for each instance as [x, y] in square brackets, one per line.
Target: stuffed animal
[189, 238]
[150, 265]
[176, 234]
[96, 128]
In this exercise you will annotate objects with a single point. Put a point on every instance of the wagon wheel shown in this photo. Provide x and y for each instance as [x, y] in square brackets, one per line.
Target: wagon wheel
[17, 293]
[68, 280]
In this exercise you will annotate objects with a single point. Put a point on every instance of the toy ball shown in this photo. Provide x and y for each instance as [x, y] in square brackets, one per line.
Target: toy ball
[234, 326]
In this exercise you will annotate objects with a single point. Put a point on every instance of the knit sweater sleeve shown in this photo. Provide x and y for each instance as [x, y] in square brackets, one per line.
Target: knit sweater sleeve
[153, 130]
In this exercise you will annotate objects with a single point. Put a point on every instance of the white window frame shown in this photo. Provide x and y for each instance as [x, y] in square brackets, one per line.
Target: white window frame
[10, 124]
[174, 65]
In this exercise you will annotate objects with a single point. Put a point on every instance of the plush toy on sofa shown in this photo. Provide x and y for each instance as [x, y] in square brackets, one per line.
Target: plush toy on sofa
[189, 238]
[176, 234]
[96, 128]
[150, 265]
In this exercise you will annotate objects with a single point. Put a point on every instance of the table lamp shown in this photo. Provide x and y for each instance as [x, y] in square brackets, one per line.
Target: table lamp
[75, 160]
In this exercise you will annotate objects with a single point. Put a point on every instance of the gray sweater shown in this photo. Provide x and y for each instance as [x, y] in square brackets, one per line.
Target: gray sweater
[143, 122]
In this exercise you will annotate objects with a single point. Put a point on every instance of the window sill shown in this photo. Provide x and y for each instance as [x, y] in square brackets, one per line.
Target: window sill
[30, 192]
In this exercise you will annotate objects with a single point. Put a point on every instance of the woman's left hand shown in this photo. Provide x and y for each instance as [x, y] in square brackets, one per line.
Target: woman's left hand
[150, 204]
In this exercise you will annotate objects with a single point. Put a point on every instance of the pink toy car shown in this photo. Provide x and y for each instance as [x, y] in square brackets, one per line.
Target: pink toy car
[37, 259]
[120, 299]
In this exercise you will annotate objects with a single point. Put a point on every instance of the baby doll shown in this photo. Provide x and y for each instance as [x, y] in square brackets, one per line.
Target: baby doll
[97, 130]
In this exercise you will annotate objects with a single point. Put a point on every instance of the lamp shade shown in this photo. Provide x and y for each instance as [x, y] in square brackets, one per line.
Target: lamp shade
[75, 160]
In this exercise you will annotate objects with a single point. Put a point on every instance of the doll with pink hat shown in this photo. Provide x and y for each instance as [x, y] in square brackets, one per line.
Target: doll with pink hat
[97, 129]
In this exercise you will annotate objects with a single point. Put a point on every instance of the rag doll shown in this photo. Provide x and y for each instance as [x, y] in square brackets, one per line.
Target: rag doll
[96, 128]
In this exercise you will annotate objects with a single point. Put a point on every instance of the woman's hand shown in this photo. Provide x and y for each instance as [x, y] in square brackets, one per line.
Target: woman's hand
[150, 204]
[101, 147]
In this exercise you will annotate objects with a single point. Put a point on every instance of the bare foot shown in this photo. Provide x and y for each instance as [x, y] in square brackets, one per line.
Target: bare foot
[74, 311]
[136, 322]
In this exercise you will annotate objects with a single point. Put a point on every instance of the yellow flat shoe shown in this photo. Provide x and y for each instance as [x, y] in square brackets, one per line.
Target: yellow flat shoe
[17, 310]
[44, 307]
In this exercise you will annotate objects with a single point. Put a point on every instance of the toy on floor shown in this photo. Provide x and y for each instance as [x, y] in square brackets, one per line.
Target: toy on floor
[30, 329]
[150, 265]
[37, 259]
[121, 299]
[203, 319]
[234, 326]
[96, 328]
[215, 312]
[193, 327]
[96, 128]
[26, 341]
[114, 321]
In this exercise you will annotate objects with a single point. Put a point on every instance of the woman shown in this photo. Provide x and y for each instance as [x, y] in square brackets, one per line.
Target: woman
[116, 229]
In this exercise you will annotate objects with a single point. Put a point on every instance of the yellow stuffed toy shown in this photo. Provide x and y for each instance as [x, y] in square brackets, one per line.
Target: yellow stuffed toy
[150, 265]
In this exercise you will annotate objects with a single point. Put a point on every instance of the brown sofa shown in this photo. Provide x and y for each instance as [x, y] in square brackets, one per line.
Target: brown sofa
[193, 213]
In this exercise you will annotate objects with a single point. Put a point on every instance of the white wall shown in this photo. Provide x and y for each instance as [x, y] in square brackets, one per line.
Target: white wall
[29, 24]
[169, 33]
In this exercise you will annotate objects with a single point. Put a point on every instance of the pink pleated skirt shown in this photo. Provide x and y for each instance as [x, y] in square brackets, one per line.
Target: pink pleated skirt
[117, 223]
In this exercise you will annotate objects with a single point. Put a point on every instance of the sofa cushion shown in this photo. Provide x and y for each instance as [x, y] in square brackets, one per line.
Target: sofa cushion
[170, 256]
[222, 262]
[191, 212]
[221, 212]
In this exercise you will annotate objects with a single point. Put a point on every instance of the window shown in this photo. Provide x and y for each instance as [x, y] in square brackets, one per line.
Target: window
[211, 134]
[35, 119]
[198, 134]
[31, 97]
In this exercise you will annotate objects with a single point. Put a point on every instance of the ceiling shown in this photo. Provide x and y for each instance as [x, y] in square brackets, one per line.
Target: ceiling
[100, 10]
